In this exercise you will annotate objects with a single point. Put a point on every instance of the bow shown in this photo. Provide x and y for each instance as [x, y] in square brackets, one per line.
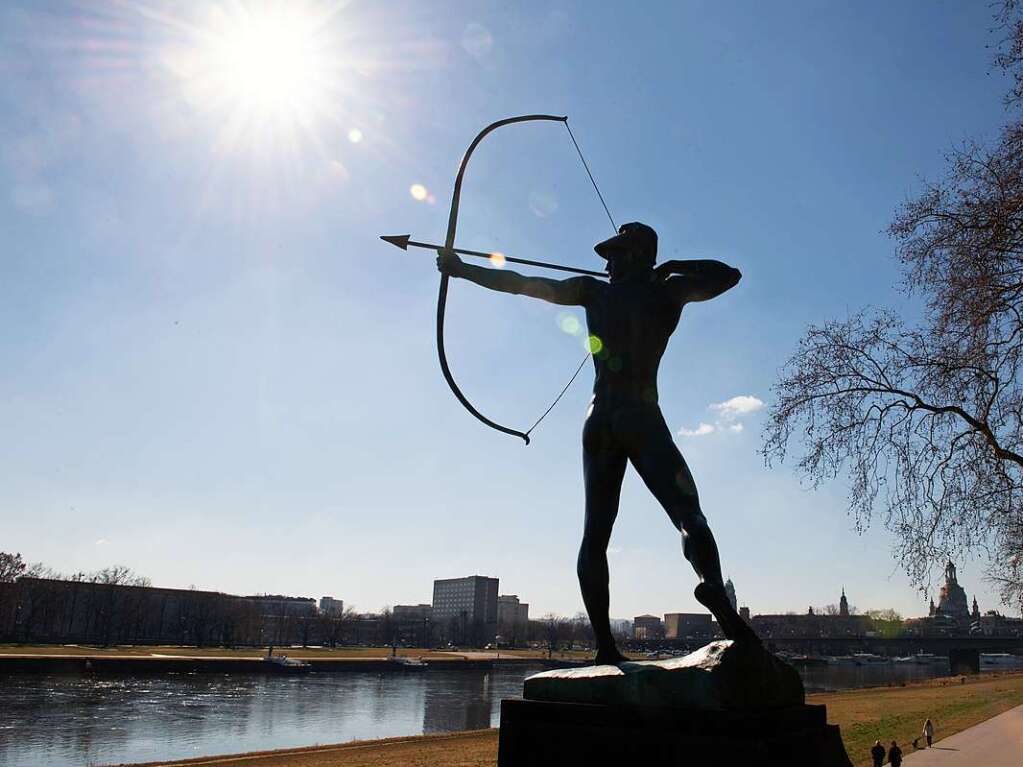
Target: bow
[449, 242]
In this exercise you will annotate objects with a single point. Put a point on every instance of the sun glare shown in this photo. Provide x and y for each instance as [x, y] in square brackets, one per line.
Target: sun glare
[266, 70]
[271, 62]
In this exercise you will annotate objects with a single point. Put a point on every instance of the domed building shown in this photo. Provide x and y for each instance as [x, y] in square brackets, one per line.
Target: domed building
[951, 616]
[952, 601]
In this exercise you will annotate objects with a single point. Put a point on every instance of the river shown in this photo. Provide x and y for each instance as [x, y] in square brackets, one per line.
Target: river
[70, 720]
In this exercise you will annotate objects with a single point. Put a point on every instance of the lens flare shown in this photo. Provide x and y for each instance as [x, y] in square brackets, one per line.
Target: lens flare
[355, 135]
[594, 344]
[569, 323]
[418, 192]
[543, 204]
[497, 259]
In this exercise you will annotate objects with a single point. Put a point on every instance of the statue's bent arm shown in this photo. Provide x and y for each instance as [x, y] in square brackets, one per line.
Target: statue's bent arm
[698, 280]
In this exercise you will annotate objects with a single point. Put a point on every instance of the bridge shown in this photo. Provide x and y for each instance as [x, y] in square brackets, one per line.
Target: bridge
[890, 647]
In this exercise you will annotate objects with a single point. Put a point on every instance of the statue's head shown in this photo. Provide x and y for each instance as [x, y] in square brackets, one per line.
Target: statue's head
[630, 253]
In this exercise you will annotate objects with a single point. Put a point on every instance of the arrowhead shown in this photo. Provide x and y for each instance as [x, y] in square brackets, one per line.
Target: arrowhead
[400, 240]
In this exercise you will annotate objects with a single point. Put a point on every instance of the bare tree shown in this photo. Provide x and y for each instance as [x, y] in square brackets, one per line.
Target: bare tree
[388, 628]
[334, 624]
[11, 567]
[925, 419]
[120, 575]
[556, 629]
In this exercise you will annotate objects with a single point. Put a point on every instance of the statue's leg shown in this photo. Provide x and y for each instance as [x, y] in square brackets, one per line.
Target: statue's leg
[659, 463]
[603, 470]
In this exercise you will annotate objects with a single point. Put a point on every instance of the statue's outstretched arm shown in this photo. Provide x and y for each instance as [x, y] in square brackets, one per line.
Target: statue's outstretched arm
[697, 280]
[570, 292]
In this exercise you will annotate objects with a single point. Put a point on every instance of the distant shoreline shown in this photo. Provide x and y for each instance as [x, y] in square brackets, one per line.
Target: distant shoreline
[78, 659]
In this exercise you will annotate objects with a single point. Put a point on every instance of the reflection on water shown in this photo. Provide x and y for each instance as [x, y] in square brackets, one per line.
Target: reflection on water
[64, 720]
[49, 720]
[465, 702]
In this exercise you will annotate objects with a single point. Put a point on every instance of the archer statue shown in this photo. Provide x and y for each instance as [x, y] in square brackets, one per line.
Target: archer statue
[630, 317]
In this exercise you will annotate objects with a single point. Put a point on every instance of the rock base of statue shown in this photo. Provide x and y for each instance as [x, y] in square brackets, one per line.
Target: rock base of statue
[540, 734]
[725, 704]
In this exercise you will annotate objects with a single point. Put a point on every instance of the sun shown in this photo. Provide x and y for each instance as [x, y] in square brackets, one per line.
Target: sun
[272, 61]
[263, 68]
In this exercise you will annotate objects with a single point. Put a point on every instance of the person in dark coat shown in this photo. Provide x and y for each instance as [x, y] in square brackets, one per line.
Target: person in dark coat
[895, 755]
[877, 753]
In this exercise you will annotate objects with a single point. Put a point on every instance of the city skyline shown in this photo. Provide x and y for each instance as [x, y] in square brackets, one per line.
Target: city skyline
[331, 603]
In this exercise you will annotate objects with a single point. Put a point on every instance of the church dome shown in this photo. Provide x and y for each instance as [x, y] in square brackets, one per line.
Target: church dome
[952, 598]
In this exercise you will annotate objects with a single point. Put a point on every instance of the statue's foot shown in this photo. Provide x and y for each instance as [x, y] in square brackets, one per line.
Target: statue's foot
[715, 598]
[610, 657]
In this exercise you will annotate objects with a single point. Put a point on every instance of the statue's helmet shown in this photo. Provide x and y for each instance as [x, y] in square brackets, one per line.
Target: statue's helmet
[634, 237]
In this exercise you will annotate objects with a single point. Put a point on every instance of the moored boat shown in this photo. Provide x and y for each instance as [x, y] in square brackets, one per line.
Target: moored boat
[286, 665]
[1000, 660]
[409, 664]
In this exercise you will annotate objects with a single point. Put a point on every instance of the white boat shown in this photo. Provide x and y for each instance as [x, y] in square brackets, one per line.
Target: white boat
[286, 664]
[409, 664]
[841, 660]
[870, 659]
[1000, 660]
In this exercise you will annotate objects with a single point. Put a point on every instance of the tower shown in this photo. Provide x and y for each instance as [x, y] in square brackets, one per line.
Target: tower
[952, 598]
[976, 610]
[843, 605]
[730, 590]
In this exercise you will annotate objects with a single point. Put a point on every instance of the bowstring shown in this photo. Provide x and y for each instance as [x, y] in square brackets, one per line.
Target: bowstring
[592, 180]
[562, 394]
[614, 226]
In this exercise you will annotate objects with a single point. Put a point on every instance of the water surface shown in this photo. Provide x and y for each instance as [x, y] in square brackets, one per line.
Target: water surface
[70, 720]
[65, 720]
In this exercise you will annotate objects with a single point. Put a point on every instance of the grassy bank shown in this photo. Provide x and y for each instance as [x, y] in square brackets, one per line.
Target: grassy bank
[898, 713]
[459, 749]
[886, 713]
[310, 653]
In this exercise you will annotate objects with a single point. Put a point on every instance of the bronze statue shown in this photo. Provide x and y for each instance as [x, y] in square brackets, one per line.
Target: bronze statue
[630, 318]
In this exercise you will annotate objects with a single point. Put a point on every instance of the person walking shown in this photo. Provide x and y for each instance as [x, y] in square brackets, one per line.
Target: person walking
[929, 732]
[877, 753]
[895, 755]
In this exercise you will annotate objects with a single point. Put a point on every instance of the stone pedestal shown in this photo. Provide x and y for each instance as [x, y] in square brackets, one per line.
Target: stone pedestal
[542, 734]
[723, 705]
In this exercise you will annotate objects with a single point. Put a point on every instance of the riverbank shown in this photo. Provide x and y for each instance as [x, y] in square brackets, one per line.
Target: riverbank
[302, 653]
[150, 660]
[888, 713]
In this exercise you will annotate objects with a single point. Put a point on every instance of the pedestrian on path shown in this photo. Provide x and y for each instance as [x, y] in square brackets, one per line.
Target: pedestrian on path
[895, 755]
[929, 732]
[877, 753]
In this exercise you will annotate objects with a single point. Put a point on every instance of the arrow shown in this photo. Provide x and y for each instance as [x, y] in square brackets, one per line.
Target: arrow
[403, 241]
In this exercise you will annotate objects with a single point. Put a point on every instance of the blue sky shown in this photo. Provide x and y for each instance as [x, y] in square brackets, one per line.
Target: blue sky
[215, 373]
